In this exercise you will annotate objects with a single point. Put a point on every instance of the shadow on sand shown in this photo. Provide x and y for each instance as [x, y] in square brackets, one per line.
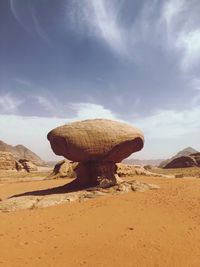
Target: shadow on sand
[67, 188]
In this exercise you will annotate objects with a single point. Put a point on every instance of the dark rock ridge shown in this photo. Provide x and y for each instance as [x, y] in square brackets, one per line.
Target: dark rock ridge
[184, 162]
[185, 152]
[22, 152]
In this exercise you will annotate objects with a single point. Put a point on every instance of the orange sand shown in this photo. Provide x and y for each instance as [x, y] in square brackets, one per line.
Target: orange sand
[154, 228]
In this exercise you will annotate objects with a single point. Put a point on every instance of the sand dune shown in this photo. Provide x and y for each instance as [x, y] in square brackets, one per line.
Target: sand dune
[153, 228]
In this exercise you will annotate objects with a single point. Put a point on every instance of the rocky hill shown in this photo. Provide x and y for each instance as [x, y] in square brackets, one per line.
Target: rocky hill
[183, 153]
[22, 152]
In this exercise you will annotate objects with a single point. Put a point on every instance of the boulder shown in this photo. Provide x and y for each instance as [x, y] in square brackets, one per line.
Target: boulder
[97, 145]
[64, 168]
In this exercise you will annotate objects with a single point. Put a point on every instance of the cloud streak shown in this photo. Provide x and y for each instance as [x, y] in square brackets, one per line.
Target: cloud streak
[9, 104]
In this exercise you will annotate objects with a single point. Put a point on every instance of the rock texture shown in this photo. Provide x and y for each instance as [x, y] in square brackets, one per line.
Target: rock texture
[7, 161]
[97, 145]
[22, 152]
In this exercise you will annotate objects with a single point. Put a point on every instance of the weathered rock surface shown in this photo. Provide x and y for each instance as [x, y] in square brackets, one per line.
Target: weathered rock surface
[7, 161]
[96, 140]
[97, 145]
[39, 201]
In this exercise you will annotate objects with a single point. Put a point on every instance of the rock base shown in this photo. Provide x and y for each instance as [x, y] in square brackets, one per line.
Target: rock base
[97, 173]
[33, 200]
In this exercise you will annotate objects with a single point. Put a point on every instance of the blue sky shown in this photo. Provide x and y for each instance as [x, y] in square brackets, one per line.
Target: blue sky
[129, 60]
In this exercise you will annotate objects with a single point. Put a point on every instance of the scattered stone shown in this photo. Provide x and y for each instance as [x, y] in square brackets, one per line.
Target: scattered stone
[31, 201]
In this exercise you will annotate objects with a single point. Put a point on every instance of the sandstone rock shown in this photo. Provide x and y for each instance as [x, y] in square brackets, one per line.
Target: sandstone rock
[28, 165]
[7, 161]
[125, 170]
[96, 140]
[64, 168]
[97, 145]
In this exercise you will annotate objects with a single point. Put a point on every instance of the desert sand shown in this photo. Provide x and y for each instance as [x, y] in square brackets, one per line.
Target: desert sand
[153, 228]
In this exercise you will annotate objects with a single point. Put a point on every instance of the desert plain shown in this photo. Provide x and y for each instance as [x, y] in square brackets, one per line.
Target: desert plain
[153, 228]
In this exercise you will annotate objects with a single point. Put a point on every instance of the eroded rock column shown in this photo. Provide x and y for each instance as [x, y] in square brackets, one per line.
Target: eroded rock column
[97, 173]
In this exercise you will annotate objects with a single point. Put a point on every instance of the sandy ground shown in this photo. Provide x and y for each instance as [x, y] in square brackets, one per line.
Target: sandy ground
[153, 228]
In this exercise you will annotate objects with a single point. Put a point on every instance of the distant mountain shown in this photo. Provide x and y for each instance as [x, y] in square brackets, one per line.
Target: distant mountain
[22, 152]
[185, 152]
[152, 162]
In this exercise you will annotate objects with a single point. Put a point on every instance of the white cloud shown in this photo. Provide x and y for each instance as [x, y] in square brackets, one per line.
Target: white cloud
[9, 104]
[91, 111]
[170, 124]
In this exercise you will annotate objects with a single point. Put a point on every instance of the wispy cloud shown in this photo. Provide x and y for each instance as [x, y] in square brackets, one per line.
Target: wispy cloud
[23, 82]
[29, 22]
[100, 18]
[182, 25]
[9, 104]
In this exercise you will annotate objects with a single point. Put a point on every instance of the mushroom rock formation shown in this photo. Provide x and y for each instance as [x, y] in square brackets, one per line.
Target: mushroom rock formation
[97, 145]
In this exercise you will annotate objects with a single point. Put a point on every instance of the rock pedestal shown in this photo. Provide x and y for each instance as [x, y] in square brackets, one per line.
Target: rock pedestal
[97, 173]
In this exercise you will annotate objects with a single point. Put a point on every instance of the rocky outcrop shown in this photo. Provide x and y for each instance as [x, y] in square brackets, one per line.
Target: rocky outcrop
[28, 165]
[97, 145]
[66, 169]
[185, 152]
[182, 162]
[62, 169]
[7, 161]
[22, 152]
